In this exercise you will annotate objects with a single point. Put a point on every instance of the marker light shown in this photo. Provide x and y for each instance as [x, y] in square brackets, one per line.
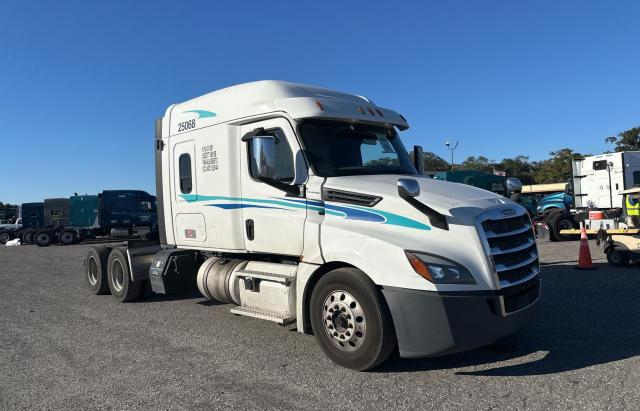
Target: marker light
[371, 111]
[418, 266]
[319, 104]
[361, 110]
[439, 270]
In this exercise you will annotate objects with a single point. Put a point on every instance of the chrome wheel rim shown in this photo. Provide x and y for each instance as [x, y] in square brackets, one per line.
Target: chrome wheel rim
[92, 271]
[344, 321]
[117, 275]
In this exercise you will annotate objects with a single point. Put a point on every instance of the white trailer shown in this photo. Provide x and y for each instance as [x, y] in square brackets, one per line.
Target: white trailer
[299, 205]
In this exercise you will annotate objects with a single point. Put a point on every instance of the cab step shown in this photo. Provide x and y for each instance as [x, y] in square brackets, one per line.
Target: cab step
[263, 315]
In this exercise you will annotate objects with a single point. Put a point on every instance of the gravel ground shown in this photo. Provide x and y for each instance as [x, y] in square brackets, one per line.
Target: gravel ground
[62, 348]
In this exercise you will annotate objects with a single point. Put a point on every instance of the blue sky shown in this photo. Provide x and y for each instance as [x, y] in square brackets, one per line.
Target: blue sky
[82, 82]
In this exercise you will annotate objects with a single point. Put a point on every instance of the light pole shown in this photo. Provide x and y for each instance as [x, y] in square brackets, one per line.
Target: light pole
[451, 148]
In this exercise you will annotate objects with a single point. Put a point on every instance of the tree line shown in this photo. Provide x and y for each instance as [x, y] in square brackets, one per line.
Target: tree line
[555, 169]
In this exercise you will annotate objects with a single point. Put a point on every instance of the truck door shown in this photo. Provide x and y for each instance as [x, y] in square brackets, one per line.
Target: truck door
[273, 221]
[188, 220]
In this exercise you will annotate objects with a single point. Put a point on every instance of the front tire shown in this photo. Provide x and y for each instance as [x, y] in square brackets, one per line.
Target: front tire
[618, 258]
[119, 274]
[350, 320]
[4, 237]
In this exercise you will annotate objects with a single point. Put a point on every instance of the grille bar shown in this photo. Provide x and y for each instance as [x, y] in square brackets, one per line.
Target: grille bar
[512, 248]
[491, 234]
[500, 251]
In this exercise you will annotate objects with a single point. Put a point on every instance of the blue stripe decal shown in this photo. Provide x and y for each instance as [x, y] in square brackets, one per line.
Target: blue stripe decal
[234, 206]
[349, 212]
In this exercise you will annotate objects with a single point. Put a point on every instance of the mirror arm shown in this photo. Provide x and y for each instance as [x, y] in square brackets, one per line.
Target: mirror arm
[251, 134]
[295, 190]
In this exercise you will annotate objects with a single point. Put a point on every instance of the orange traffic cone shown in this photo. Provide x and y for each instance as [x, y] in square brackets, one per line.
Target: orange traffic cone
[584, 259]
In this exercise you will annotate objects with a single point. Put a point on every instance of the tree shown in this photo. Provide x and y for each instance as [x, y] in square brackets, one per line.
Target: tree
[556, 169]
[432, 161]
[480, 163]
[519, 167]
[628, 140]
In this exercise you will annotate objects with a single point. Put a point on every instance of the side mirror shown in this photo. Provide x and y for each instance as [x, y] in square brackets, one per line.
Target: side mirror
[263, 157]
[514, 185]
[408, 187]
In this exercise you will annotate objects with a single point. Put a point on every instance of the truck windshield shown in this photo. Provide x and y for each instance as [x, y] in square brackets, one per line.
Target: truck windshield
[339, 149]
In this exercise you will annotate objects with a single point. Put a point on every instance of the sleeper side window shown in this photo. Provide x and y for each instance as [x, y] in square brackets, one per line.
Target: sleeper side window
[184, 169]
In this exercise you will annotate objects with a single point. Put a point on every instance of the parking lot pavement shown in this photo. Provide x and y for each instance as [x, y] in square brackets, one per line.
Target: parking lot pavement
[61, 347]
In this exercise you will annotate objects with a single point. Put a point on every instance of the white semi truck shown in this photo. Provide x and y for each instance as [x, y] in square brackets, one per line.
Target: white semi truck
[300, 205]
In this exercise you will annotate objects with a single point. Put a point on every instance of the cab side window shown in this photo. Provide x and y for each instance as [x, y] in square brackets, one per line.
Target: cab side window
[184, 169]
[285, 171]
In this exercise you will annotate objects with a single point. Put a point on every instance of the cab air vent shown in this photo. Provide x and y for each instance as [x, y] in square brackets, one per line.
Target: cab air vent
[348, 197]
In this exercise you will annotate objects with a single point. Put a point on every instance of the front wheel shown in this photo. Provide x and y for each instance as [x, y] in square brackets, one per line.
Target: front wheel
[350, 321]
[4, 237]
[618, 258]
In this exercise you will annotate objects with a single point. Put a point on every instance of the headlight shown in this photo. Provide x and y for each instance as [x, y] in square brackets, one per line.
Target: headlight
[439, 270]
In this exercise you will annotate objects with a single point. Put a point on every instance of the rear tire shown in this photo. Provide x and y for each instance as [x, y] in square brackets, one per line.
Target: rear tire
[618, 258]
[68, 237]
[95, 269]
[26, 237]
[42, 238]
[350, 320]
[119, 276]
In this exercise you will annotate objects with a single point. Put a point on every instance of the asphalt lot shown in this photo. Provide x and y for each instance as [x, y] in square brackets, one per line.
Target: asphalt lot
[61, 347]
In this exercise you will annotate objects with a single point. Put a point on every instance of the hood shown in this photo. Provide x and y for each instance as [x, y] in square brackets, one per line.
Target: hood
[445, 197]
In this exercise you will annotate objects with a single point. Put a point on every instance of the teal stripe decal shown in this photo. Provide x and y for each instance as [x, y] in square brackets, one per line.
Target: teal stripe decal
[390, 218]
[202, 113]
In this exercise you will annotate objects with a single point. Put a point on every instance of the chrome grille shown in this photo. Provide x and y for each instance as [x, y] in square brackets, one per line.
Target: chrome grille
[512, 247]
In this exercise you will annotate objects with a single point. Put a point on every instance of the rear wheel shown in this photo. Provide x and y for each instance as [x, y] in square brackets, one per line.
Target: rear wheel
[95, 269]
[42, 238]
[119, 274]
[350, 321]
[618, 258]
[27, 237]
[68, 237]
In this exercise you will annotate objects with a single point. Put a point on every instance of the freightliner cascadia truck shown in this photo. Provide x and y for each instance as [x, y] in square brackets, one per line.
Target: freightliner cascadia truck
[300, 205]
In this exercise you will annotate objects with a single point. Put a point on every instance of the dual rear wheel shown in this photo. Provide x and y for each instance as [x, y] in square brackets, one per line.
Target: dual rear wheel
[107, 271]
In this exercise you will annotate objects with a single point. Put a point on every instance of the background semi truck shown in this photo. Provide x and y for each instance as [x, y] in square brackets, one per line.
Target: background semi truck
[110, 214]
[298, 204]
[596, 185]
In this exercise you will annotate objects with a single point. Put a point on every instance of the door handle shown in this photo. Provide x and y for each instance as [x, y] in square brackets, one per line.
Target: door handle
[250, 229]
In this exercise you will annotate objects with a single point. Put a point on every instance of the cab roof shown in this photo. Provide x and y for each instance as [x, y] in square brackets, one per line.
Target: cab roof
[261, 97]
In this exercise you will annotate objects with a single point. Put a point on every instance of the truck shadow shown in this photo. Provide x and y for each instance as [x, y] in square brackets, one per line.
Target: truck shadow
[584, 318]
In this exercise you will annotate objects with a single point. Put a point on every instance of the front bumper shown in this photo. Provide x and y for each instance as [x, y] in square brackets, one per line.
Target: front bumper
[430, 323]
